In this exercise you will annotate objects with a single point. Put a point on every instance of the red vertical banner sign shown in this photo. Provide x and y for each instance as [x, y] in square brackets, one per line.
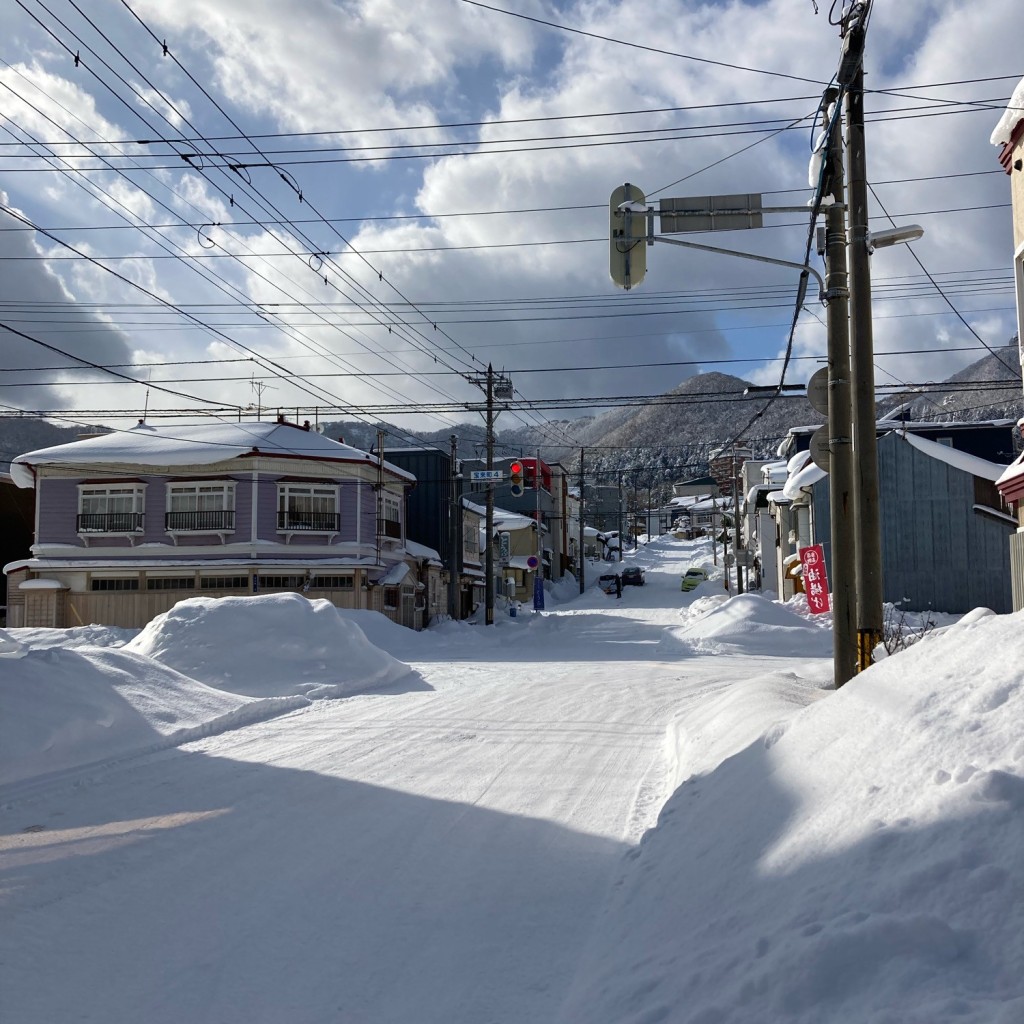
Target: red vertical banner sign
[812, 561]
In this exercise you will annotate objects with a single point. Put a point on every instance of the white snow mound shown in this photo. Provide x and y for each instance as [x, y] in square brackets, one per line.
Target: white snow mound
[762, 626]
[268, 644]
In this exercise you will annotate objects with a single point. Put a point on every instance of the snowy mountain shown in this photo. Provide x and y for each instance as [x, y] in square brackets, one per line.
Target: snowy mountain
[986, 390]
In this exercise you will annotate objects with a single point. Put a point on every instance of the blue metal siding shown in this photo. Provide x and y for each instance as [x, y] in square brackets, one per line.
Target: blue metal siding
[937, 552]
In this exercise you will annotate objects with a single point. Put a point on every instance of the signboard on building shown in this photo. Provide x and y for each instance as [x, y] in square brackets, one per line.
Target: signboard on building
[812, 561]
[486, 474]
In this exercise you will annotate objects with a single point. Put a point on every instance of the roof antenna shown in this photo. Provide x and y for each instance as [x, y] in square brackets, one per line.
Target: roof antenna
[145, 408]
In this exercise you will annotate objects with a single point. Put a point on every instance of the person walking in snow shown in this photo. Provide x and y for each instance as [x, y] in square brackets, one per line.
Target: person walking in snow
[618, 587]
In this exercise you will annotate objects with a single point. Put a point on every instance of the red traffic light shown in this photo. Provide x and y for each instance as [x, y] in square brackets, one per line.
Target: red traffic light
[516, 479]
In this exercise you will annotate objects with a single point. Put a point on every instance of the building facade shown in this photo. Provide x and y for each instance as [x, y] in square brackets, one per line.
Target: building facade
[131, 522]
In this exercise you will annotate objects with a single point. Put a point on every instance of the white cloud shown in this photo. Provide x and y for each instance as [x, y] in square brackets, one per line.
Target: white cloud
[514, 288]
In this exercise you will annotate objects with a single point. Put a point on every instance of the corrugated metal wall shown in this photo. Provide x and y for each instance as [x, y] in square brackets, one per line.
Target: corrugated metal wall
[937, 553]
[1017, 569]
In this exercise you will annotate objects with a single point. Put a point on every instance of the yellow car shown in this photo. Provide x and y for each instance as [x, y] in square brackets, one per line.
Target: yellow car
[693, 579]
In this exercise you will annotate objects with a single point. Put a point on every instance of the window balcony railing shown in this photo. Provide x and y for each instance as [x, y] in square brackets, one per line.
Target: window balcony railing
[110, 522]
[311, 522]
[389, 528]
[195, 522]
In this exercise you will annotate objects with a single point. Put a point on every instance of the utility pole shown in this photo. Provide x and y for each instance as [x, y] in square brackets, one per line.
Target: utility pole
[491, 384]
[867, 520]
[454, 532]
[736, 522]
[489, 554]
[538, 578]
[621, 540]
[583, 558]
[840, 427]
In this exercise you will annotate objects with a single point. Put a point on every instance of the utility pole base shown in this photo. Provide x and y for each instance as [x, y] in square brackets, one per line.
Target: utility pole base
[867, 641]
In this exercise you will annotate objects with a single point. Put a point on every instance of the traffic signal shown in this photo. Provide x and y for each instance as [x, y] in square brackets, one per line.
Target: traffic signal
[516, 479]
[627, 237]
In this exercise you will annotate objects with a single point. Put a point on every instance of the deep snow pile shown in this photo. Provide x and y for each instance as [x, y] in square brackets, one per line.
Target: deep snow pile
[858, 862]
[750, 622]
[269, 644]
[205, 666]
[64, 709]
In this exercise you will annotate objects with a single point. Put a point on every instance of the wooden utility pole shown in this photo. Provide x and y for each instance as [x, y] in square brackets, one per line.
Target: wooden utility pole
[582, 557]
[454, 532]
[867, 519]
[840, 413]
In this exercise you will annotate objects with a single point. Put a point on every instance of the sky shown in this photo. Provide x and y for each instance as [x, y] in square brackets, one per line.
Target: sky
[328, 204]
[644, 809]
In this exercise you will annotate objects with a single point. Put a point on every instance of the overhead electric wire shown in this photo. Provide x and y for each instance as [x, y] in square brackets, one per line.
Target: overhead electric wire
[287, 328]
[401, 129]
[326, 222]
[384, 218]
[714, 129]
[223, 285]
[194, 168]
[129, 85]
[477, 247]
[938, 288]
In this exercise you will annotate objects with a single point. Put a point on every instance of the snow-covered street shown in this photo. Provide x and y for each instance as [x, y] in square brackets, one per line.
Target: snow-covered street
[474, 840]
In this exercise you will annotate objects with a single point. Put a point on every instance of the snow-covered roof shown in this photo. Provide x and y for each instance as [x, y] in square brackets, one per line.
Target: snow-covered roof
[1014, 112]
[797, 462]
[422, 551]
[1012, 471]
[41, 585]
[519, 562]
[961, 460]
[394, 575]
[704, 504]
[139, 561]
[810, 474]
[197, 444]
[508, 522]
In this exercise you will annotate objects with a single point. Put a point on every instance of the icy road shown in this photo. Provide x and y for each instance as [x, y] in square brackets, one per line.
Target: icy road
[438, 851]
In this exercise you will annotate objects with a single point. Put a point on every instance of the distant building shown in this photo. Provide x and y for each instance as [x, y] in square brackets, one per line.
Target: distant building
[130, 523]
[1009, 136]
[944, 525]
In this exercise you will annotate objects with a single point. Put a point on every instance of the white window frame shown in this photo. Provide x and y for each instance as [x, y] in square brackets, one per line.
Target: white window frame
[391, 508]
[136, 492]
[329, 492]
[225, 489]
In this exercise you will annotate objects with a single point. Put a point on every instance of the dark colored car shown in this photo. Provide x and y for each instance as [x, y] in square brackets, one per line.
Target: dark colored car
[633, 577]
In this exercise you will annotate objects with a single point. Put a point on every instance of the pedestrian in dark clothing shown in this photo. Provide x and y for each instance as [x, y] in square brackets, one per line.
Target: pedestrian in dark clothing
[618, 587]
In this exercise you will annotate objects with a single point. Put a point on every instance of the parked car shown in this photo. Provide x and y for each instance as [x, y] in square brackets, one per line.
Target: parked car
[693, 578]
[609, 582]
[633, 577]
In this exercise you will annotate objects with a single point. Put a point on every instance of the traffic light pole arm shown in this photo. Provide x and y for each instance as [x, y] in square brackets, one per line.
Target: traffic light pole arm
[747, 256]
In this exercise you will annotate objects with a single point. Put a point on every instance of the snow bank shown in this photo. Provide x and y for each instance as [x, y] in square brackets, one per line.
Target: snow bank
[268, 644]
[10, 647]
[753, 623]
[64, 709]
[860, 862]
